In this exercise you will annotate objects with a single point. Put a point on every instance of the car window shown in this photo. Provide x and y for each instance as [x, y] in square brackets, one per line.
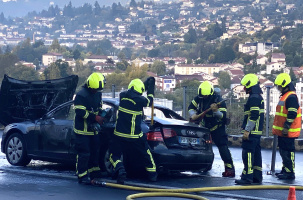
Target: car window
[66, 112]
[157, 113]
[109, 108]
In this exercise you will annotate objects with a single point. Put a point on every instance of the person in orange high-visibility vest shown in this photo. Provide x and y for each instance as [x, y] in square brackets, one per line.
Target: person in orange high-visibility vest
[287, 125]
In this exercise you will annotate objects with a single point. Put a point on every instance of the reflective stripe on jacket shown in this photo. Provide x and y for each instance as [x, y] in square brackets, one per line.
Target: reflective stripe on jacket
[87, 105]
[130, 114]
[281, 117]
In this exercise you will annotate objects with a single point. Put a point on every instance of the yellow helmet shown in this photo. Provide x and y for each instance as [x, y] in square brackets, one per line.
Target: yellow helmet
[137, 85]
[205, 89]
[249, 80]
[283, 80]
[95, 81]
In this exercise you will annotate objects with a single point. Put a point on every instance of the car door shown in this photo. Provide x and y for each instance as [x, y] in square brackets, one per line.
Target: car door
[56, 132]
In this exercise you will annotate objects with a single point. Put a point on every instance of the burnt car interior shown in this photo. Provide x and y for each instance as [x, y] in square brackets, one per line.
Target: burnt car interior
[30, 100]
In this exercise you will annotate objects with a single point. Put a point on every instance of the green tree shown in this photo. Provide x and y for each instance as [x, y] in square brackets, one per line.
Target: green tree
[293, 76]
[76, 54]
[7, 60]
[224, 80]
[58, 69]
[121, 66]
[153, 53]
[190, 36]
[22, 72]
[158, 67]
[97, 8]
[37, 64]
[55, 46]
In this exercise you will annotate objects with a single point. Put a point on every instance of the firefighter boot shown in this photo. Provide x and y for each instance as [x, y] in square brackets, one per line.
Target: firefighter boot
[84, 180]
[243, 181]
[281, 172]
[229, 172]
[287, 175]
[152, 176]
[95, 174]
[121, 176]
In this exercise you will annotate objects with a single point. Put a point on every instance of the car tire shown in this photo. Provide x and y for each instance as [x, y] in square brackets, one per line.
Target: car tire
[208, 168]
[15, 150]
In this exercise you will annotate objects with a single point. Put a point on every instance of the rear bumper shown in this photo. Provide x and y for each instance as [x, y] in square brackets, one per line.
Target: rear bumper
[180, 159]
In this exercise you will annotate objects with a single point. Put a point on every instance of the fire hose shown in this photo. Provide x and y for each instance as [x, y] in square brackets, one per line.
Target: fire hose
[182, 192]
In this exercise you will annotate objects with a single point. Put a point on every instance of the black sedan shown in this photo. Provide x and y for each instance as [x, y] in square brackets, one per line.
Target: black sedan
[36, 133]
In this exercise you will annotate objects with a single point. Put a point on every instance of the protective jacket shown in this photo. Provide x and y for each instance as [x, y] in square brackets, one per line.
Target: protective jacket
[288, 115]
[254, 112]
[130, 113]
[87, 105]
[210, 121]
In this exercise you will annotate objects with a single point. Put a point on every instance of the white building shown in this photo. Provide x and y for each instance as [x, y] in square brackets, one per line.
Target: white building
[49, 58]
[166, 83]
[189, 69]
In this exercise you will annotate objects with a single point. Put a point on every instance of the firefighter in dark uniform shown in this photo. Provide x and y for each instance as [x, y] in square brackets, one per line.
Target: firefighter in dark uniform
[215, 120]
[88, 105]
[128, 136]
[287, 125]
[252, 130]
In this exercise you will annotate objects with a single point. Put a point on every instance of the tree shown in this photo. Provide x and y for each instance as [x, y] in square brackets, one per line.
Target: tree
[22, 72]
[58, 69]
[121, 66]
[97, 8]
[76, 54]
[293, 76]
[190, 36]
[153, 53]
[7, 60]
[159, 68]
[37, 64]
[133, 4]
[55, 46]
[224, 80]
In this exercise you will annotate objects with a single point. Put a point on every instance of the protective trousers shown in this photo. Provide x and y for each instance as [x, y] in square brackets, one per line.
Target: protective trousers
[87, 147]
[120, 146]
[252, 159]
[287, 152]
[220, 138]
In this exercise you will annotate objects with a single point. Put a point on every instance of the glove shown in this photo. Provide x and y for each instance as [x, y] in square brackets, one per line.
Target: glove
[214, 107]
[99, 119]
[149, 81]
[285, 132]
[150, 85]
[245, 135]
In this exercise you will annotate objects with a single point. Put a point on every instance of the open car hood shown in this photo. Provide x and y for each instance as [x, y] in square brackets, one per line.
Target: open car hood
[30, 100]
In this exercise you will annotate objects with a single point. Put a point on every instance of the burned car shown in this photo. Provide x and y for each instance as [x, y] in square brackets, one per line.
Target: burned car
[38, 118]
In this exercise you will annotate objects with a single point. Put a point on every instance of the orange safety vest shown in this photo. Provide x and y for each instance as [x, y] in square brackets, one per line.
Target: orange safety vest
[281, 116]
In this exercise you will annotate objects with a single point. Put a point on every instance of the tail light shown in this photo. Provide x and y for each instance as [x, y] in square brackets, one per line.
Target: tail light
[209, 140]
[157, 136]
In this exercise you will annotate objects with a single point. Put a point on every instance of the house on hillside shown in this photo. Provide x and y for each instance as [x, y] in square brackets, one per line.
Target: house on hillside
[166, 83]
[95, 59]
[49, 58]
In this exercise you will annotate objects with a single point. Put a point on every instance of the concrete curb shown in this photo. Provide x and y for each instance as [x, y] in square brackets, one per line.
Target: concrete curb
[266, 142]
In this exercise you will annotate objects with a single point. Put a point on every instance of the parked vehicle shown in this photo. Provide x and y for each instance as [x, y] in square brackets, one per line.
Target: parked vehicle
[38, 118]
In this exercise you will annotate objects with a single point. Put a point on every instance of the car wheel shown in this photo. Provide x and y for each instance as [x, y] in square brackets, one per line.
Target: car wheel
[15, 150]
[209, 167]
[107, 163]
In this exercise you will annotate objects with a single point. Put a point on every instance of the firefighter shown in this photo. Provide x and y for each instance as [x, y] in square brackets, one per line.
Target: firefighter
[287, 124]
[88, 105]
[215, 120]
[128, 136]
[252, 130]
